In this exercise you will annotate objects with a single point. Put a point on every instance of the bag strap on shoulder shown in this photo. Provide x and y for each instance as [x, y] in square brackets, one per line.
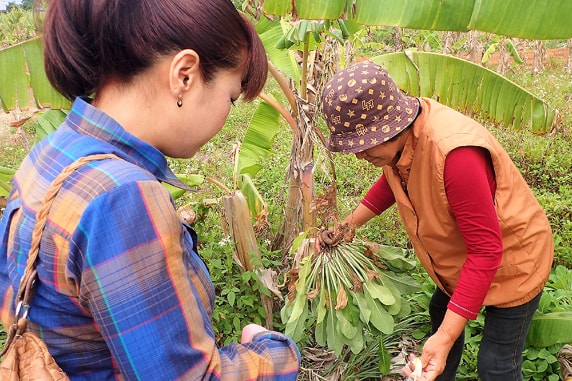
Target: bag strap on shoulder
[25, 290]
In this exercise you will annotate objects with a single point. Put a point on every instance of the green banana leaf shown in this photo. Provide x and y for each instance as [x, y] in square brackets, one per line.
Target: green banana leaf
[254, 200]
[297, 35]
[258, 140]
[306, 9]
[48, 122]
[192, 180]
[468, 87]
[270, 33]
[549, 329]
[320, 9]
[534, 19]
[254, 151]
[277, 7]
[22, 69]
[6, 175]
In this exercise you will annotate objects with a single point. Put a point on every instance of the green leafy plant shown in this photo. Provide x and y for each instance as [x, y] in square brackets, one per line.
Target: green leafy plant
[541, 364]
[349, 290]
[16, 25]
[550, 327]
[552, 324]
[238, 291]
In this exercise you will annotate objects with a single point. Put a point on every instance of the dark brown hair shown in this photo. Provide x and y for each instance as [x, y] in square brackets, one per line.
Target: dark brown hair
[89, 42]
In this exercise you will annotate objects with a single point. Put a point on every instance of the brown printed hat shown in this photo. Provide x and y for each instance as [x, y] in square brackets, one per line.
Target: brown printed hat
[363, 107]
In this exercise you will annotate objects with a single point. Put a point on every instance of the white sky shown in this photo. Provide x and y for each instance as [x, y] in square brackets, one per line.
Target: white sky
[4, 3]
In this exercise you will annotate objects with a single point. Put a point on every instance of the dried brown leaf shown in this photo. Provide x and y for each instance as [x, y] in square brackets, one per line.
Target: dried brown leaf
[269, 279]
[312, 294]
[342, 300]
[372, 274]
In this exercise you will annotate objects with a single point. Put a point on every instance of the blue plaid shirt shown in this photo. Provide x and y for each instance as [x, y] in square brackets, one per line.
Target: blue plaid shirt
[122, 294]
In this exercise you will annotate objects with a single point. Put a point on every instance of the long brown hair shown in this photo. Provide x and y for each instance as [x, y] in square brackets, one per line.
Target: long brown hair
[88, 42]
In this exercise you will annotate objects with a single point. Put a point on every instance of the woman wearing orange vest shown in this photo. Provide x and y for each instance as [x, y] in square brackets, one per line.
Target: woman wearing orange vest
[476, 227]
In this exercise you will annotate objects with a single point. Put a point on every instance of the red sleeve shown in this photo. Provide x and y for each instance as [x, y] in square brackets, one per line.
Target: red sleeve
[379, 197]
[470, 186]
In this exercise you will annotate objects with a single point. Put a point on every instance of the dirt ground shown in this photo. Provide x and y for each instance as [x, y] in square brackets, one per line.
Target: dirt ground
[8, 122]
[5, 120]
[527, 56]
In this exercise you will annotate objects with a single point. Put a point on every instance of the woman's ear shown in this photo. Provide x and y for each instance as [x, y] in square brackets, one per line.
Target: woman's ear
[184, 71]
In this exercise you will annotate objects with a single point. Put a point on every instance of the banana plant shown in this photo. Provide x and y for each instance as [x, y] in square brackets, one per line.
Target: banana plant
[307, 24]
[475, 89]
[302, 29]
[546, 19]
[535, 19]
[501, 44]
[455, 82]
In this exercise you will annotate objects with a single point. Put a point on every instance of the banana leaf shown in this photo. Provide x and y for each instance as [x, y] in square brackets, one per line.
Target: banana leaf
[6, 175]
[271, 32]
[314, 9]
[277, 7]
[320, 9]
[534, 19]
[192, 180]
[48, 122]
[469, 88]
[254, 200]
[254, 151]
[24, 81]
[258, 140]
[549, 329]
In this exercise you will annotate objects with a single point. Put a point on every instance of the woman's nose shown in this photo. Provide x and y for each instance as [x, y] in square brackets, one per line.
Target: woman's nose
[360, 155]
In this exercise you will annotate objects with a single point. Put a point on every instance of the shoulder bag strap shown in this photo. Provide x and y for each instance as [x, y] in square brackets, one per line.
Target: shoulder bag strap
[25, 293]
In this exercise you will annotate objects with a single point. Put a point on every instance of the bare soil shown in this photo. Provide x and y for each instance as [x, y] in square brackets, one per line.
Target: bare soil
[527, 56]
[5, 120]
[559, 55]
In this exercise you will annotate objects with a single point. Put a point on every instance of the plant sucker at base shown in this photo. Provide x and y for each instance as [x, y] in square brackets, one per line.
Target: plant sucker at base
[345, 290]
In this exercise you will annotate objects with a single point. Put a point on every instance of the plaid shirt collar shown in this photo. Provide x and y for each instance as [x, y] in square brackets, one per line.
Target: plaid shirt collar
[88, 120]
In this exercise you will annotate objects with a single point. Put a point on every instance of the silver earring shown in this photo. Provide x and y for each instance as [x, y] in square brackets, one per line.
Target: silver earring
[180, 100]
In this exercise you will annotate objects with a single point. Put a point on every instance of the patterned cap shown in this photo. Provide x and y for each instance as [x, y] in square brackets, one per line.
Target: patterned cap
[363, 108]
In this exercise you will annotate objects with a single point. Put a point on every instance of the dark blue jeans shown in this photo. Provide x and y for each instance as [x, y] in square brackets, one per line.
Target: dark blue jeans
[502, 344]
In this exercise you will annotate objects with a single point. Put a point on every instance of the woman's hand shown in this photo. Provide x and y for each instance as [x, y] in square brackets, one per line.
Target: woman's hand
[418, 370]
[433, 359]
[335, 235]
[250, 331]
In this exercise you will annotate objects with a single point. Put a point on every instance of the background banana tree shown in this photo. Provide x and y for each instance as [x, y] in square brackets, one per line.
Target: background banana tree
[313, 32]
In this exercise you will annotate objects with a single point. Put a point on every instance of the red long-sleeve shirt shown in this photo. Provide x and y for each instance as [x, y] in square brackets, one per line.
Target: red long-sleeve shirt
[470, 186]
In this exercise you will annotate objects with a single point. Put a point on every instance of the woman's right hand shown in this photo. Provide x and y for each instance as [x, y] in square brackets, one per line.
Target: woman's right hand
[417, 370]
[250, 331]
[335, 235]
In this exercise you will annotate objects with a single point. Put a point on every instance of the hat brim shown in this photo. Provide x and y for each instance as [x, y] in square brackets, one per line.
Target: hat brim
[377, 133]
